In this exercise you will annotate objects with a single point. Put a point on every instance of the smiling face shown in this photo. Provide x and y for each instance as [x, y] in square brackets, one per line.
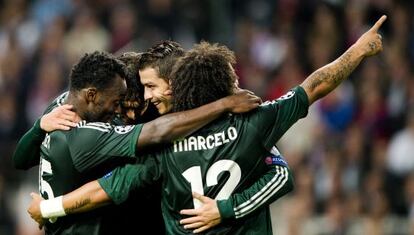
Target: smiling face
[155, 89]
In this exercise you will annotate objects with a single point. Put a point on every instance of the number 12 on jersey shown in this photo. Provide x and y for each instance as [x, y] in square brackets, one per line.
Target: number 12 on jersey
[193, 175]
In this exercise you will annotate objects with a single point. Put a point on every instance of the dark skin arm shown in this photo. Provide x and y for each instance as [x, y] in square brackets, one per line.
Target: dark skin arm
[327, 78]
[176, 125]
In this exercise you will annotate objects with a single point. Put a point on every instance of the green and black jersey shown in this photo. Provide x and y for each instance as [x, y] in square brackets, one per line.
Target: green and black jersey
[27, 152]
[72, 158]
[222, 159]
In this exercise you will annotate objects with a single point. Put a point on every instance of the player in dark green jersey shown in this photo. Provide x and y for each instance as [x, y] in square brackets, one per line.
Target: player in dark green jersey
[158, 62]
[155, 69]
[155, 76]
[188, 170]
[223, 158]
[72, 158]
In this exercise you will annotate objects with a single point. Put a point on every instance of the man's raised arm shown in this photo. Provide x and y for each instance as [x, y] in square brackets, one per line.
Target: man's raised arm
[327, 78]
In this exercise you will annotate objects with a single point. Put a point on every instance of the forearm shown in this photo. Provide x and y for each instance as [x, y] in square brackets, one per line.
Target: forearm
[86, 198]
[271, 186]
[327, 78]
[177, 125]
[27, 151]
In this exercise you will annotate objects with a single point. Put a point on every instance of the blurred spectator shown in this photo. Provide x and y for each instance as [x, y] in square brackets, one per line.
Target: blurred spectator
[399, 157]
[86, 35]
[7, 225]
[49, 83]
[123, 26]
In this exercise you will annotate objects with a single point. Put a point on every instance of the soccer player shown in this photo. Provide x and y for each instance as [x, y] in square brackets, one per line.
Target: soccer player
[155, 69]
[159, 61]
[71, 158]
[232, 144]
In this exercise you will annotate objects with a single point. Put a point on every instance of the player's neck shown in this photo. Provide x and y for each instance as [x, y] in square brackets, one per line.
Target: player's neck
[73, 100]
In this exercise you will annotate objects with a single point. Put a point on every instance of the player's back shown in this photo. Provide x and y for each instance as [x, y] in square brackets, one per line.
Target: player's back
[220, 159]
[226, 157]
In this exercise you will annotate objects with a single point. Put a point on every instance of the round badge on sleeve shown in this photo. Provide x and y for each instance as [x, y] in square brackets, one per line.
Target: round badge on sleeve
[124, 129]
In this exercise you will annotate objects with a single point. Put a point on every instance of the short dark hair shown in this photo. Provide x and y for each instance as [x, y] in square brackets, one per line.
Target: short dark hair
[202, 76]
[135, 90]
[96, 69]
[162, 57]
[131, 61]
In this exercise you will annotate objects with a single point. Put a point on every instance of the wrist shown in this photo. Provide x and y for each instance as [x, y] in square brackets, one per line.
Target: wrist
[52, 208]
[225, 102]
[38, 127]
[226, 210]
[359, 51]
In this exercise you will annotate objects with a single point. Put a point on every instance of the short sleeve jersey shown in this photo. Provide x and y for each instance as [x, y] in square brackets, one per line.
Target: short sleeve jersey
[72, 158]
[225, 157]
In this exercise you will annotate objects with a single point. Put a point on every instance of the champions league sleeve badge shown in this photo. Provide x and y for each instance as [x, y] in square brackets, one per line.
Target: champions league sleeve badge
[275, 158]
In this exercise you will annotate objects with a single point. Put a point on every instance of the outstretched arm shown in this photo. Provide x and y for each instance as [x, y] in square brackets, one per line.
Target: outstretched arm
[27, 151]
[327, 78]
[176, 125]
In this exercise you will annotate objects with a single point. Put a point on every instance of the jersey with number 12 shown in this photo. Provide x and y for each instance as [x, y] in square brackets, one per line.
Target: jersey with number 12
[225, 157]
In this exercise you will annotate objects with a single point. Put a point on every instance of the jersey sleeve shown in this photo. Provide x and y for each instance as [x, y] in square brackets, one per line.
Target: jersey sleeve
[93, 143]
[274, 118]
[58, 101]
[27, 152]
[122, 181]
[271, 186]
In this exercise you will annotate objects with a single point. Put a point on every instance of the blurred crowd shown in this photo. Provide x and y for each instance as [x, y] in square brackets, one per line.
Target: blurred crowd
[352, 157]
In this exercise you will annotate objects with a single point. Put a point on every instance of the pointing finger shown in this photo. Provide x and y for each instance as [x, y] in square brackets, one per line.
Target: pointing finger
[378, 24]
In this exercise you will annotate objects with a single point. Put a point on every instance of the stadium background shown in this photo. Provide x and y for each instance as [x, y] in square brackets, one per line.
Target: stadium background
[353, 156]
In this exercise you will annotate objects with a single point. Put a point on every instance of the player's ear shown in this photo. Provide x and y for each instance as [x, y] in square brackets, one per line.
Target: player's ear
[168, 92]
[90, 94]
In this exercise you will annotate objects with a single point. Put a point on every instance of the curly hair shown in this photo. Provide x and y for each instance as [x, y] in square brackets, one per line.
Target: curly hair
[162, 57]
[96, 69]
[202, 76]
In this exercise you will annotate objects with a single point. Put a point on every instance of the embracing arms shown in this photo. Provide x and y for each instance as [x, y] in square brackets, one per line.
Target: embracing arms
[88, 197]
[277, 182]
[176, 125]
